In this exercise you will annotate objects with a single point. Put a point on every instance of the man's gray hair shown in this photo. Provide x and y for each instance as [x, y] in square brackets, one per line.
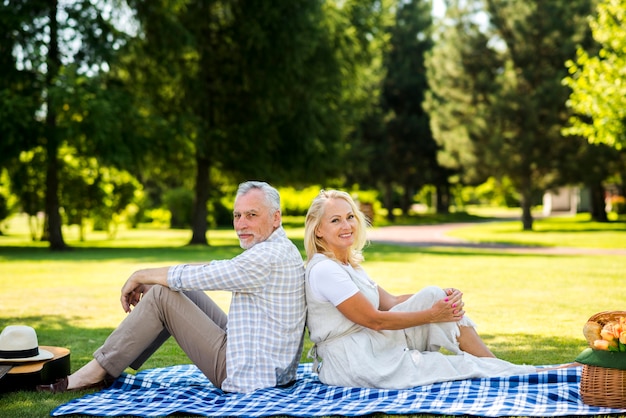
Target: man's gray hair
[271, 194]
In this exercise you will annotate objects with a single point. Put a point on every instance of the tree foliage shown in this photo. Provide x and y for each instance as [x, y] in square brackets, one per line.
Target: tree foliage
[49, 46]
[395, 137]
[200, 95]
[508, 59]
[250, 89]
[410, 156]
[598, 81]
[19, 87]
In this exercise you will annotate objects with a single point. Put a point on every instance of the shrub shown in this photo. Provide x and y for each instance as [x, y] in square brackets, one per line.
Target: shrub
[296, 202]
[179, 201]
[158, 217]
[618, 204]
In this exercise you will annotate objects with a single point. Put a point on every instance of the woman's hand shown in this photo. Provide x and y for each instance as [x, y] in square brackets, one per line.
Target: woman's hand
[449, 308]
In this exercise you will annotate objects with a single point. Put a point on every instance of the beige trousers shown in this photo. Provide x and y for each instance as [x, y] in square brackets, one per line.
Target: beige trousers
[192, 318]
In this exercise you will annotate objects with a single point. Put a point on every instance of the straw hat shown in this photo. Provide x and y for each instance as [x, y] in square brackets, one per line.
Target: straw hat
[18, 344]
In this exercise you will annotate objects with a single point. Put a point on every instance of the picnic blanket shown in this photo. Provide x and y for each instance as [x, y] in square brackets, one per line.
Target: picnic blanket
[185, 390]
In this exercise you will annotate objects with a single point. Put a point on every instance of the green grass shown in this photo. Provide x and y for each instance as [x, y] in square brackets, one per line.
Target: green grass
[567, 231]
[530, 308]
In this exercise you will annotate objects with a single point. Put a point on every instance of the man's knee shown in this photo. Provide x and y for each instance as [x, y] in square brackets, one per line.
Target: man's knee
[160, 295]
[153, 293]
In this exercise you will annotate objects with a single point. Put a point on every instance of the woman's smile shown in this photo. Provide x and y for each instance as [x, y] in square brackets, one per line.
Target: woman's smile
[337, 227]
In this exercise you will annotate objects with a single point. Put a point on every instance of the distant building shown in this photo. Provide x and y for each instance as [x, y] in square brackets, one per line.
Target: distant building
[569, 199]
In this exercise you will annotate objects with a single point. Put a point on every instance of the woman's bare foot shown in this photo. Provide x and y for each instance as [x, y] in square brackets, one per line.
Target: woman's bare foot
[560, 366]
[470, 342]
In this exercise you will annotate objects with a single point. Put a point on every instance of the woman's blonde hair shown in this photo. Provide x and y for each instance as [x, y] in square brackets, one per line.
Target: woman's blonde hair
[314, 245]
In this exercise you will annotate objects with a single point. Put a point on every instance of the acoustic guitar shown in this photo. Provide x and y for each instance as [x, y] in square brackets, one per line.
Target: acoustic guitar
[25, 376]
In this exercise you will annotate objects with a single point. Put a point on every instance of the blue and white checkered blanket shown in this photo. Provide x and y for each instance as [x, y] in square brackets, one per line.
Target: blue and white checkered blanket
[185, 390]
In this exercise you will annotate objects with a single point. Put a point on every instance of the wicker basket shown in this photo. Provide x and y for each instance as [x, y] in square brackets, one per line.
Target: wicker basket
[602, 386]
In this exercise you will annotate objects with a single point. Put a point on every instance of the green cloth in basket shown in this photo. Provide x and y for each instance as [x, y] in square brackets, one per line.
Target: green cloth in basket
[609, 359]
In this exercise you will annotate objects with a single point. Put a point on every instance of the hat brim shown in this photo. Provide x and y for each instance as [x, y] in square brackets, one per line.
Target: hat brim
[43, 355]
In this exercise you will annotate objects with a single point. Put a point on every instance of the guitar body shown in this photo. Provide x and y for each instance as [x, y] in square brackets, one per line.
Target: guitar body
[25, 376]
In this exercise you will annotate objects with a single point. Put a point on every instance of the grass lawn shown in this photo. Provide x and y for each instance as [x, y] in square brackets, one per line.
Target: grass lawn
[563, 231]
[530, 308]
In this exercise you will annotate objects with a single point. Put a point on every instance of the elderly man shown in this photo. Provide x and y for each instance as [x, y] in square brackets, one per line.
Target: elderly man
[257, 345]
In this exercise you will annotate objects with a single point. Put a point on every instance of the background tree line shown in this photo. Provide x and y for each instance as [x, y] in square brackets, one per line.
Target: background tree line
[115, 106]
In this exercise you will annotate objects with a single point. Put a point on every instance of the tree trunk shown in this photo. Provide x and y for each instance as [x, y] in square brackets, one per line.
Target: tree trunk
[199, 223]
[389, 202]
[407, 200]
[598, 206]
[442, 197]
[55, 234]
[527, 216]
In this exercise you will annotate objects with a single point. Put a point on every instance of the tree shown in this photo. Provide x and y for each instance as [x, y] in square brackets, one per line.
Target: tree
[27, 181]
[19, 96]
[592, 166]
[411, 158]
[462, 72]
[497, 102]
[248, 89]
[7, 200]
[92, 192]
[55, 42]
[597, 99]
[393, 143]
[598, 96]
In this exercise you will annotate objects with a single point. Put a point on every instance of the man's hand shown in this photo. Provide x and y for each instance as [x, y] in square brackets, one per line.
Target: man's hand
[139, 283]
[132, 298]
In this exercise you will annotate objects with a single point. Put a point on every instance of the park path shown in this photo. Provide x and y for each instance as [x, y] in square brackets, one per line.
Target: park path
[435, 236]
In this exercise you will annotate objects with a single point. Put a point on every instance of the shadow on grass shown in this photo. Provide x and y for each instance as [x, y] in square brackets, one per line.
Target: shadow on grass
[616, 227]
[30, 404]
[397, 252]
[184, 253]
[84, 252]
[374, 251]
[58, 331]
[54, 331]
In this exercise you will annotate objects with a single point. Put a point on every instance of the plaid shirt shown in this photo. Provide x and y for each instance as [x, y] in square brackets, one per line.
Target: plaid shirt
[267, 312]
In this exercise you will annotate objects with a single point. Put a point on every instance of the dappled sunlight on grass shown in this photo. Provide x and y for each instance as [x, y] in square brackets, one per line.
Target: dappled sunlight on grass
[82, 341]
[163, 255]
[534, 349]
[14, 404]
[567, 231]
[530, 308]
[520, 294]
[16, 233]
[86, 288]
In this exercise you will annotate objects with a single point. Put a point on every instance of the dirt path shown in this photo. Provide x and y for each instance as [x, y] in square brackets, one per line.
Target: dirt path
[435, 236]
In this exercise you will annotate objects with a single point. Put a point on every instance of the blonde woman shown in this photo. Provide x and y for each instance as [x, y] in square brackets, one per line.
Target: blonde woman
[367, 337]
